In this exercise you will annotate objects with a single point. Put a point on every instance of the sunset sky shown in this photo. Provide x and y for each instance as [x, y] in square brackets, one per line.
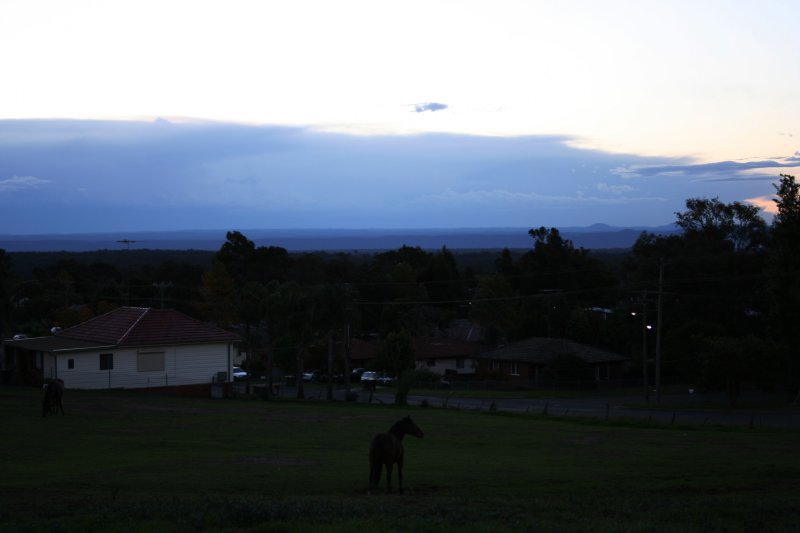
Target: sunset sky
[146, 115]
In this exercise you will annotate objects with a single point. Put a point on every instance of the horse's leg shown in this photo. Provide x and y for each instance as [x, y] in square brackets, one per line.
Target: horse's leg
[388, 477]
[400, 461]
[47, 403]
[374, 474]
[400, 475]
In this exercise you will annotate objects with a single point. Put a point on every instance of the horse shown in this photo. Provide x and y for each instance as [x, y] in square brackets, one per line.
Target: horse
[53, 392]
[387, 449]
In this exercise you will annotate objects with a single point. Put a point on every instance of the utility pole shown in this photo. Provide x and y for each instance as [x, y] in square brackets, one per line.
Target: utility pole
[347, 360]
[644, 349]
[658, 327]
[161, 286]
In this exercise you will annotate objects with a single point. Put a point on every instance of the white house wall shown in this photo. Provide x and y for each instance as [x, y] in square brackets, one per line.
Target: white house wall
[443, 366]
[183, 365]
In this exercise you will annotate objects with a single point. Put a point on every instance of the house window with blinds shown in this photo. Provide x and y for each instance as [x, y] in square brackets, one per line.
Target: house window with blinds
[150, 362]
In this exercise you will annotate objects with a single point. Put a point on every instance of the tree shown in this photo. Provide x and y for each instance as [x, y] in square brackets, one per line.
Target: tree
[496, 307]
[237, 254]
[555, 277]
[730, 362]
[736, 223]
[272, 263]
[251, 311]
[788, 203]
[273, 319]
[330, 317]
[397, 353]
[784, 270]
[442, 278]
[5, 296]
[300, 308]
[712, 276]
[219, 290]
[504, 265]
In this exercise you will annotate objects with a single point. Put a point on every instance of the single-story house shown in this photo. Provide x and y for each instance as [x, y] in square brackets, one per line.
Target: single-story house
[552, 361]
[438, 354]
[447, 356]
[130, 347]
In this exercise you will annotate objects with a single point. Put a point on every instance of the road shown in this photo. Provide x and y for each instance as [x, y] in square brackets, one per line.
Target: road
[673, 410]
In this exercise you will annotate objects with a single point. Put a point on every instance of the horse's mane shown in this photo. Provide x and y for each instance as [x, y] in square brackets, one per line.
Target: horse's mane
[399, 428]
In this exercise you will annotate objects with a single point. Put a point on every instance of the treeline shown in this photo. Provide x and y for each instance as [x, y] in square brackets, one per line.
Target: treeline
[726, 290]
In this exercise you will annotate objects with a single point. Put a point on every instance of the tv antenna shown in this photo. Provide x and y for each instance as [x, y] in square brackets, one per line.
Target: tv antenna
[127, 243]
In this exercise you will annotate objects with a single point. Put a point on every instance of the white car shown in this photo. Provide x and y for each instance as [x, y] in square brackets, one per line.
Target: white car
[370, 379]
[238, 373]
[311, 375]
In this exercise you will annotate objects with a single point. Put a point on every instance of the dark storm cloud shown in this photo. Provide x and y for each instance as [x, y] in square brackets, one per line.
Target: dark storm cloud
[83, 175]
[717, 171]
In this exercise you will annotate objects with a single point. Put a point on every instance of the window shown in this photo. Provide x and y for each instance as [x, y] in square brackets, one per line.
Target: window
[70, 363]
[106, 361]
[495, 364]
[150, 362]
[514, 368]
[431, 362]
[460, 362]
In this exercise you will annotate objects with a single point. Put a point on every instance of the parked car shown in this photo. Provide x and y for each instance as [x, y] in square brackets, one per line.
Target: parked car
[336, 377]
[311, 375]
[385, 379]
[238, 373]
[371, 379]
[355, 374]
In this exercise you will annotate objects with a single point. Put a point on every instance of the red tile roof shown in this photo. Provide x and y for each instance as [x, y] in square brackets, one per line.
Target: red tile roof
[139, 326]
[541, 350]
[441, 348]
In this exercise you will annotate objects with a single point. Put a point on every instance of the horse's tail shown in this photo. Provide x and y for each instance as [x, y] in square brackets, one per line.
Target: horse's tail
[47, 400]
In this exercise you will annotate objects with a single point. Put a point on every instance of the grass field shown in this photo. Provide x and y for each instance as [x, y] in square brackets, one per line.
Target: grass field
[128, 461]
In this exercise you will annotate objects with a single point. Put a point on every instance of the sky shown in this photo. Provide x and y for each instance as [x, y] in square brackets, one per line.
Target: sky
[163, 115]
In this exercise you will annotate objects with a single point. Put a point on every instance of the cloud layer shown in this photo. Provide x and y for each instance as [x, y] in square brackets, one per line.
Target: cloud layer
[110, 175]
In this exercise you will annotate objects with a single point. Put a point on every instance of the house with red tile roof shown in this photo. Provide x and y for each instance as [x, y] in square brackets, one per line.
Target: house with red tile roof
[554, 362]
[441, 355]
[130, 347]
[445, 356]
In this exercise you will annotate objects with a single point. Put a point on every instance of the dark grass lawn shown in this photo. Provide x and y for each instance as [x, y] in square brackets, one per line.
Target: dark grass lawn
[130, 461]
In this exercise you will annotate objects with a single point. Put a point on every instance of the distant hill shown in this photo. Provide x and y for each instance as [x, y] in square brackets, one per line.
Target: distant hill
[597, 236]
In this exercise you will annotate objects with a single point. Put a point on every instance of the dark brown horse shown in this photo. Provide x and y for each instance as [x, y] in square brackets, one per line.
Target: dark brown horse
[387, 449]
[51, 404]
